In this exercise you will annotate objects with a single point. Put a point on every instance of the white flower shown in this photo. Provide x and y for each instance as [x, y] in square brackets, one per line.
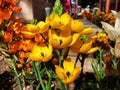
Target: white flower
[113, 32]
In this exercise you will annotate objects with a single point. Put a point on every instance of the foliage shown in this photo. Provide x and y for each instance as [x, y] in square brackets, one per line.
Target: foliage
[58, 8]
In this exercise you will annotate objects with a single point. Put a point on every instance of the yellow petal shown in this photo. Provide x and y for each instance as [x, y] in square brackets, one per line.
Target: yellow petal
[54, 20]
[43, 26]
[60, 72]
[86, 46]
[65, 21]
[41, 53]
[77, 26]
[32, 28]
[68, 65]
[92, 50]
[59, 41]
[74, 38]
[86, 31]
[76, 46]
[75, 74]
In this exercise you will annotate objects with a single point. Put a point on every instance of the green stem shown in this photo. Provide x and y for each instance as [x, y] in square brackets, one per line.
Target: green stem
[48, 70]
[60, 57]
[78, 57]
[67, 87]
[49, 81]
[34, 68]
[37, 71]
[17, 76]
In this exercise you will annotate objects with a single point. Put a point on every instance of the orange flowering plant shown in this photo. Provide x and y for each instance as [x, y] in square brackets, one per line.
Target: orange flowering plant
[39, 51]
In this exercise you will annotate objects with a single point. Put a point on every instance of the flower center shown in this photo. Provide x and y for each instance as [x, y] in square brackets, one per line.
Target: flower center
[42, 54]
[68, 74]
[60, 42]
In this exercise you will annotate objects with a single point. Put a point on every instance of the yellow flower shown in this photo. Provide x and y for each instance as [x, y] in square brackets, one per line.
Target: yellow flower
[59, 22]
[60, 41]
[68, 73]
[101, 37]
[35, 29]
[77, 26]
[40, 53]
[85, 48]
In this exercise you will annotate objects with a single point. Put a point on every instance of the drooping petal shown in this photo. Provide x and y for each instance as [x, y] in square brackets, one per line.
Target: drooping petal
[74, 38]
[86, 46]
[92, 50]
[86, 31]
[76, 46]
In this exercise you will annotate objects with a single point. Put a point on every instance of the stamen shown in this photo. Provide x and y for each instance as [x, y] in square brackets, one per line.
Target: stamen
[60, 42]
[42, 54]
[68, 74]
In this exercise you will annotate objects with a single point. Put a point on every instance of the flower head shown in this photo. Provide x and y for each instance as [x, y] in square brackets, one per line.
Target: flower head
[84, 47]
[59, 22]
[41, 53]
[68, 73]
[113, 32]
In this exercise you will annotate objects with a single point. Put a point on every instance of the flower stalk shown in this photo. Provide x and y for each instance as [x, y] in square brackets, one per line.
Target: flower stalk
[38, 74]
[17, 75]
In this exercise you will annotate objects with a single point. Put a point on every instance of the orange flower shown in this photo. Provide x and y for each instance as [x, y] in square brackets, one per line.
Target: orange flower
[22, 61]
[22, 54]
[38, 38]
[4, 14]
[12, 1]
[7, 36]
[0, 2]
[19, 66]
[26, 45]
[13, 48]
[15, 8]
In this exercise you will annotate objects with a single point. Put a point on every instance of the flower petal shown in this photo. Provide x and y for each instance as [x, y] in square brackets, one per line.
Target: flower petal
[86, 46]
[92, 50]
[86, 31]
[60, 72]
[68, 65]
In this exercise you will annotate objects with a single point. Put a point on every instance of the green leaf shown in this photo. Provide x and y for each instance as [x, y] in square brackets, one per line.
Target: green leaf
[58, 8]
[34, 21]
[84, 38]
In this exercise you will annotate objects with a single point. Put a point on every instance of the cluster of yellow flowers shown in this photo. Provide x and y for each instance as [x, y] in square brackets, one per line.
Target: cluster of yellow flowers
[63, 32]
[102, 16]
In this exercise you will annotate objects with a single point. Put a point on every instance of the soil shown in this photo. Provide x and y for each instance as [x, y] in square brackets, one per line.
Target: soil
[7, 81]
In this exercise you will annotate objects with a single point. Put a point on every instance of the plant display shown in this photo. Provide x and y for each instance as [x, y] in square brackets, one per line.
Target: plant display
[38, 52]
[98, 16]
